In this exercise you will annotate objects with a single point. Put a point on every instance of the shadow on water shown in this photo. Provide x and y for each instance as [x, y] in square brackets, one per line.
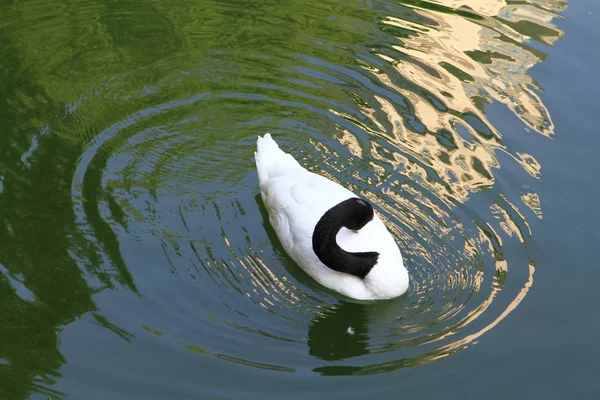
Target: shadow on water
[339, 332]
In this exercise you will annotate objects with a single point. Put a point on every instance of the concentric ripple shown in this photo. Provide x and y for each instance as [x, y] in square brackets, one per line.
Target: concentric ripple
[403, 102]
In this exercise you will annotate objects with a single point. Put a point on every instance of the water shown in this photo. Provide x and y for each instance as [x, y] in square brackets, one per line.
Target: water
[136, 258]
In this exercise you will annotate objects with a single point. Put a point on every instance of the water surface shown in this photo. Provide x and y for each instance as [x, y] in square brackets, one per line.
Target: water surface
[136, 257]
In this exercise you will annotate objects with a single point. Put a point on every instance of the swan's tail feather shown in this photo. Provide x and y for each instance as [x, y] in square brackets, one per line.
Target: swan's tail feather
[270, 159]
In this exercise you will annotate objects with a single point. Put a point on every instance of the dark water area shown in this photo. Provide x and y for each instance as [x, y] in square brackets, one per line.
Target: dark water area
[136, 257]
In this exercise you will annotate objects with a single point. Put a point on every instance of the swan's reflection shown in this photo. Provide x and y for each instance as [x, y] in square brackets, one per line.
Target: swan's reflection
[339, 332]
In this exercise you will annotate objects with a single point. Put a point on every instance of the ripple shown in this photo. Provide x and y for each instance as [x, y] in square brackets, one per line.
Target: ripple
[184, 206]
[166, 199]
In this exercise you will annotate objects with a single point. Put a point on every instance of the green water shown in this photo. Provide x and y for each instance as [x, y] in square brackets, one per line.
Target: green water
[136, 258]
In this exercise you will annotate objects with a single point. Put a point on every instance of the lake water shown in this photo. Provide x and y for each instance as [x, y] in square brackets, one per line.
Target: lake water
[136, 258]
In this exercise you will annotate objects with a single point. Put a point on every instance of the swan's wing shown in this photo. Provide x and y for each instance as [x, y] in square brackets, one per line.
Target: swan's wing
[319, 193]
[315, 196]
[297, 199]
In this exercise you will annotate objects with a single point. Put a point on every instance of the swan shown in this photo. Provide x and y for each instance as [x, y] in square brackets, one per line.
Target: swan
[332, 234]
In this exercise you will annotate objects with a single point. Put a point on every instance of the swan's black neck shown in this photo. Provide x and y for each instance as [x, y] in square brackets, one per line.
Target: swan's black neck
[353, 213]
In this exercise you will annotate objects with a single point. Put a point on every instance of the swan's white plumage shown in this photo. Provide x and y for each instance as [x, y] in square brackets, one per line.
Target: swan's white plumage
[296, 199]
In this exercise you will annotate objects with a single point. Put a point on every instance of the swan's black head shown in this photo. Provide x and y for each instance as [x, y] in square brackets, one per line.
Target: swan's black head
[353, 214]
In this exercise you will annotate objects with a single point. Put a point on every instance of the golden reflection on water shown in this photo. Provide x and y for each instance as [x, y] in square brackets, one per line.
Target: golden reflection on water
[472, 58]
[473, 61]
[351, 143]
[532, 200]
[451, 348]
[463, 62]
[529, 164]
[448, 349]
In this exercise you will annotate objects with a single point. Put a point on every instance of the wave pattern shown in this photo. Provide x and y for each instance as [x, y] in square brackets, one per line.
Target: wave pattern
[403, 102]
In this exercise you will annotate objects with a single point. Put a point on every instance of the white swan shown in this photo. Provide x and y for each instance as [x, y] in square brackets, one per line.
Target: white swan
[333, 235]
